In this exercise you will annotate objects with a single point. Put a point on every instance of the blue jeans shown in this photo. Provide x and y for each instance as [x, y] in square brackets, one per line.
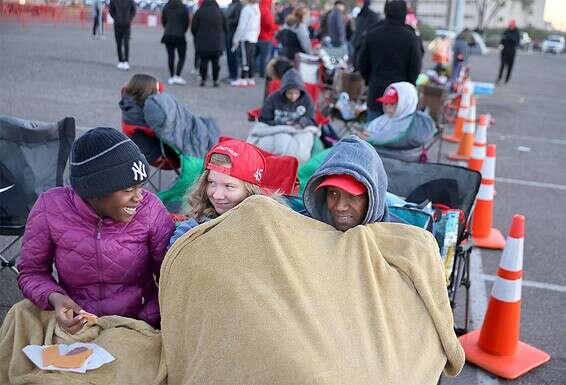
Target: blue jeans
[262, 56]
[231, 59]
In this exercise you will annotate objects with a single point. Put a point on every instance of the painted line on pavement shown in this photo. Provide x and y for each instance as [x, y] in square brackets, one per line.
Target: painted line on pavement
[526, 137]
[478, 304]
[526, 283]
[529, 183]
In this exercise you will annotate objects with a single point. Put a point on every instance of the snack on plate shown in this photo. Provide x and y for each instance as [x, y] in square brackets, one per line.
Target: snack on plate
[74, 359]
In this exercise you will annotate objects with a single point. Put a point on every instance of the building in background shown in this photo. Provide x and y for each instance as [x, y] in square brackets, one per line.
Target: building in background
[435, 13]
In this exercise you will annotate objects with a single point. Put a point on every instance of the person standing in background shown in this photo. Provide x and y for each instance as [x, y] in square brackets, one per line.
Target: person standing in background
[365, 20]
[510, 40]
[245, 40]
[175, 20]
[232, 18]
[390, 53]
[123, 13]
[97, 14]
[209, 29]
[265, 38]
[336, 25]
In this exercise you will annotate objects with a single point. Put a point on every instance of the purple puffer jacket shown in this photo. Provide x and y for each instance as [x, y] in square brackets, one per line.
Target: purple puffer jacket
[105, 266]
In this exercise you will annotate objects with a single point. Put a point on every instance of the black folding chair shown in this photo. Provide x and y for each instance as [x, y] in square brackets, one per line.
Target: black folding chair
[33, 157]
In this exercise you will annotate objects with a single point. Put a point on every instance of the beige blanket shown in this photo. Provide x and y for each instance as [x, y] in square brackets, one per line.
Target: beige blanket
[262, 295]
[135, 345]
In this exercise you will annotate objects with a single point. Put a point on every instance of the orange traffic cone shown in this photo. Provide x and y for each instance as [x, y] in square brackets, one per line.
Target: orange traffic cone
[483, 234]
[464, 150]
[465, 103]
[478, 151]
[496, 347]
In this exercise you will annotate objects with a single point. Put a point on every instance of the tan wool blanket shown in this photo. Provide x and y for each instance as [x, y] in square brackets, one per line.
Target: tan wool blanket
[264, 296]
[135, 345]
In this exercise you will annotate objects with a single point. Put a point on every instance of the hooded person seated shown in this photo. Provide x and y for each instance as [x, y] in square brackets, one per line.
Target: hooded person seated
[349, 188]
[401, 126]
[287, 123]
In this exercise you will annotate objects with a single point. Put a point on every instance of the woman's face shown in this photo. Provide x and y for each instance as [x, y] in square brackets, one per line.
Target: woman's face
[389, 109]
[120, 206]
[224, 191]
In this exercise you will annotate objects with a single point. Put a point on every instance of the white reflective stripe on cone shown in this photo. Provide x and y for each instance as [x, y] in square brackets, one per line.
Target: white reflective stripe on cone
[488, 168]
[481, 134]
[512, 258]
[463, 112]
[472, 117]
[478, 152]
[469, 127]
[507, 290]
[486, 192]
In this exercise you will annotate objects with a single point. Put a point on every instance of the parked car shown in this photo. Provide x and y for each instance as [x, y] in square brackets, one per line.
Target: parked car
[554, 44]
[526, 42]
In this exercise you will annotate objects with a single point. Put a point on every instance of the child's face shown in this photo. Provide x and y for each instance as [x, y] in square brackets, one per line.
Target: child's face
[293, 94]
[389, 109]
[224, 191]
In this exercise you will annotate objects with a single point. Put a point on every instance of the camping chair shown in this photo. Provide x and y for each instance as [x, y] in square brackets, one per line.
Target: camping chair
[159, 155]
[447, 187]
[33, 157]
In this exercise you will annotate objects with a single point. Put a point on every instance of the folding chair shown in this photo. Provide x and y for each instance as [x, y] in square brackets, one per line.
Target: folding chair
[33, 157]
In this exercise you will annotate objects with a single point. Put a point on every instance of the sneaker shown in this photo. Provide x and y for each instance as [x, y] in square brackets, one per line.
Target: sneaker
[243, 83]
[120, 66]
[171, 81]
[250, 83]
[202, 83]
[237, 82]
[216, 84]
[179, 80]
[125, 66]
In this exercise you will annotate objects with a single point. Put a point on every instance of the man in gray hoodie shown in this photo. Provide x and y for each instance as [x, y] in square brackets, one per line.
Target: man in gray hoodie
[349, 188]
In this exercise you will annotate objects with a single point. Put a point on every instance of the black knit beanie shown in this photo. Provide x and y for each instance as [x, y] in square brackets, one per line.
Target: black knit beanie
[103, 161]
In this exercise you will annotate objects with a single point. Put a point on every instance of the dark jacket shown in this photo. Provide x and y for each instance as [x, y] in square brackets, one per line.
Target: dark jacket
[123, 12]
[336, 27]
[365, 20]
[175, 18]
[355, 157]
[389, 54]
[290, 43]
[132, 112]
[209, 28]
[510, 40]
[278, 110]
[233, 15]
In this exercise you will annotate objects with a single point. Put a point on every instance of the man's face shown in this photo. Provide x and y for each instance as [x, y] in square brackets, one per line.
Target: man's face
[293, 94]
[341, 7]
[346, 210]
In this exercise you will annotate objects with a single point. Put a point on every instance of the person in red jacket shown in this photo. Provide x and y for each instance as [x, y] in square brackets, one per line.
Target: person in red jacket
[105, 234]
[266, 33]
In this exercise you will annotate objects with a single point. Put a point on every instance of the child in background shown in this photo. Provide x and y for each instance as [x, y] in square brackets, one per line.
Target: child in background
[245, 41]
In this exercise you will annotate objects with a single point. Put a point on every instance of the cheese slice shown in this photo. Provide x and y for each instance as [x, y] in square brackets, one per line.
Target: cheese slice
[49, 354]
[72, 360]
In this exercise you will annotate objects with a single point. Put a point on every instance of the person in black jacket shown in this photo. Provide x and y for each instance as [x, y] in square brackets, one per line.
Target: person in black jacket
[123, 12]
[209, 29]
[175, 20]
[510, 40]
[232, 18]
[365, 20]
[389, 54]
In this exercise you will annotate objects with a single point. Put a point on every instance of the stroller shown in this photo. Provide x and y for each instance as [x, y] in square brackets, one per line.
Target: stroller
[452, 191]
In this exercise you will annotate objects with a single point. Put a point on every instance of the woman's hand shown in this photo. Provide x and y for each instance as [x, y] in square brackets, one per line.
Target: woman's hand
[65, 310]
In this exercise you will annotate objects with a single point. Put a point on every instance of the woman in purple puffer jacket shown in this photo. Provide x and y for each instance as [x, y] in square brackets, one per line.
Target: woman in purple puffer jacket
[106, 235]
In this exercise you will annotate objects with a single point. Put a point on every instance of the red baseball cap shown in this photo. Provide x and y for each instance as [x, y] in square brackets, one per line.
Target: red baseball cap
[390, 96]
[345, 182]
[247, 162]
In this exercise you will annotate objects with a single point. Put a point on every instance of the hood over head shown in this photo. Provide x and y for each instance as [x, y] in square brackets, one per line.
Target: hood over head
[396, 10]
[355, 157]
[292, 79]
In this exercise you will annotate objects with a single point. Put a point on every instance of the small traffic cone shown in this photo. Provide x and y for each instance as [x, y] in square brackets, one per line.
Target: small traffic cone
[483, 234]
[465, 103]
[464, 150]
[478, 151]
[496, 347]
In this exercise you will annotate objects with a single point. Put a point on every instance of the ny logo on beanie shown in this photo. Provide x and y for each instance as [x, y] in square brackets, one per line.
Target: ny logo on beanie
[139, 170]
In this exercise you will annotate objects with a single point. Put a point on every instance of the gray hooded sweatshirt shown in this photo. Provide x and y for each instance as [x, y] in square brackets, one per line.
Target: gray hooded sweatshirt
[355, 157]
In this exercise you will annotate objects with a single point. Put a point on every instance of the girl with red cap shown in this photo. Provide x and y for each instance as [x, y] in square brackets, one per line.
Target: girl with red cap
[233, 171]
